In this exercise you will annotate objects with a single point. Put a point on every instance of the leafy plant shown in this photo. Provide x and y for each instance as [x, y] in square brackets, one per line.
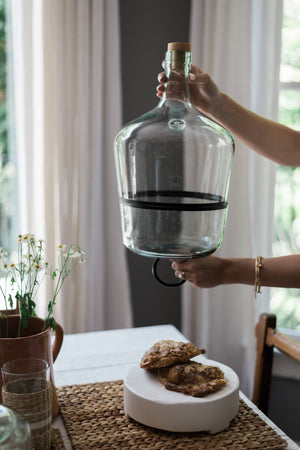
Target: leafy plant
[23, 277]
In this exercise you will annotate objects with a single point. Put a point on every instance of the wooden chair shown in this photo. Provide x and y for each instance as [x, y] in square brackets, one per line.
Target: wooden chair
[269, 338]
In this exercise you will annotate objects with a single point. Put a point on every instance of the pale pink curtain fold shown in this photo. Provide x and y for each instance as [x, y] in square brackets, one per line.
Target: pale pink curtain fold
[238, 44]
[66, 65]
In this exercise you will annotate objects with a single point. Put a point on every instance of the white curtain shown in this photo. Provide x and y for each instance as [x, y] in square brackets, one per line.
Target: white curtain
[66, 68]
[238, 44]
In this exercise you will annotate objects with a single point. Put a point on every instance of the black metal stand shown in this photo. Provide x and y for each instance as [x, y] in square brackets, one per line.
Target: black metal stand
[159, 280]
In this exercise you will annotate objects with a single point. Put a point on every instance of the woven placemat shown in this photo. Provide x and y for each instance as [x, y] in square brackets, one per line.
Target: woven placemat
[94, 417]
[57, 442]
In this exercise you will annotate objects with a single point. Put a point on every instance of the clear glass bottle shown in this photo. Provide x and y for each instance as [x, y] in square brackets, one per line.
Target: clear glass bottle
[173, 168]
[14, 431]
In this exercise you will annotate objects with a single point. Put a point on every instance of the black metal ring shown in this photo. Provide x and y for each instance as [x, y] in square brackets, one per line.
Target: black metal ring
[143, 200]
[159, 280]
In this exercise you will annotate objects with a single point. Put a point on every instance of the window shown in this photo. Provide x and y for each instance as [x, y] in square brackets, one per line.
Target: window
[8, 210]
[8, 187]
[285, 303]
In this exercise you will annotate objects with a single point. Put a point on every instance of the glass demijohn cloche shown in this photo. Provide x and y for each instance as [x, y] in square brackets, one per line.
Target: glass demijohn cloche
[14, 430]
[173, 168]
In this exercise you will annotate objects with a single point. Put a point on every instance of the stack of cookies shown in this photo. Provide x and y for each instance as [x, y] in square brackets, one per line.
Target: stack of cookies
[171, 362]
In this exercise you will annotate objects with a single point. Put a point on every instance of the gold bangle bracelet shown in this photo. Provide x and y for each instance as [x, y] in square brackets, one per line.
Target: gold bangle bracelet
[257, 283]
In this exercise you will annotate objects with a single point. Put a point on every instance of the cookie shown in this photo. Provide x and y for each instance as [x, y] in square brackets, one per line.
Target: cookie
[167, 352]
[192, 378]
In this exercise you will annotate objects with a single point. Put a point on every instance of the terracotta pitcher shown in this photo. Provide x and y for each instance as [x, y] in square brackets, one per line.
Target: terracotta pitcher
[36, 342]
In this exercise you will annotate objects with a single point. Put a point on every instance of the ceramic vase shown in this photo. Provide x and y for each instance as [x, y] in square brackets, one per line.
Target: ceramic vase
[36, 342]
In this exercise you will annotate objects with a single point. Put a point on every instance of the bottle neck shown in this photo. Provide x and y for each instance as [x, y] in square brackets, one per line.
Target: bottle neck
[177, 68]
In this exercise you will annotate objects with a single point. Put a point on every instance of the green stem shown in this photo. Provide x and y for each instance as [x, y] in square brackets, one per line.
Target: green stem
[6, 310]
[58, 286]
[20, 321]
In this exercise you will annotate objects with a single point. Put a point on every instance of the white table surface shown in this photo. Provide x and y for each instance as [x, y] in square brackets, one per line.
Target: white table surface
[108, 355]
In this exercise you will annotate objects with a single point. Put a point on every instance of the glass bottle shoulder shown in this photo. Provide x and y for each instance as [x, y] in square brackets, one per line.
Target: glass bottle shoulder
[171, 116]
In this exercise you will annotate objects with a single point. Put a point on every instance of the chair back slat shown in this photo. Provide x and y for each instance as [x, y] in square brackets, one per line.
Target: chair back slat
[285, 344]
[268, 338]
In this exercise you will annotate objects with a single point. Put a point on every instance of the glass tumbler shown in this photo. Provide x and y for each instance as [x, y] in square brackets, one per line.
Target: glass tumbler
[27, 390]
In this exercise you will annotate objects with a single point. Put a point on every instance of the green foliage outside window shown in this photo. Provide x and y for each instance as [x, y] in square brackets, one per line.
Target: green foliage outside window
[7, 166]
[285, 303]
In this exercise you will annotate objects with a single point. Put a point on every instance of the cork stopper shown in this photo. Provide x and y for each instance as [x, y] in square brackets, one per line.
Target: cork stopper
[181, 46]
[178, 57]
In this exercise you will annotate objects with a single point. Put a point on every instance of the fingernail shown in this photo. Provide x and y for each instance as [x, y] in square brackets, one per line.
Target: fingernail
[192, 76]
[163, 64]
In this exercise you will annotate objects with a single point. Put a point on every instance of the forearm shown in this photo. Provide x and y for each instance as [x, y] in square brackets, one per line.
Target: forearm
[270, 139]
[283, 271]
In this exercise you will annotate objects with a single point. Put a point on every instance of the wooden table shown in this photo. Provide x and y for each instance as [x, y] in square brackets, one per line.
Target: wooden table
[108, 355]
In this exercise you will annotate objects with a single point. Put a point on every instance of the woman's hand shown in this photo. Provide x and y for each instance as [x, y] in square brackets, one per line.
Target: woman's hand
[203, 272]
[268, 138]
[205, 95]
